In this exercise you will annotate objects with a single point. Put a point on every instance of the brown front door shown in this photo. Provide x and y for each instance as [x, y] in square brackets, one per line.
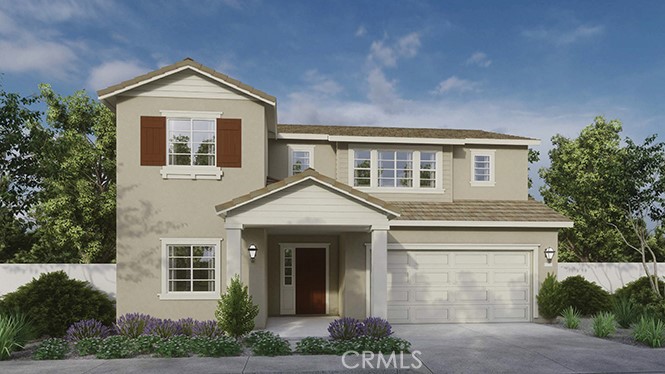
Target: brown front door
[311, 281]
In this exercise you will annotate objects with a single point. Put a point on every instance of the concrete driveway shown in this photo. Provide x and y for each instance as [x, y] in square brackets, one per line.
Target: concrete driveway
[472, 348]
[524, 348]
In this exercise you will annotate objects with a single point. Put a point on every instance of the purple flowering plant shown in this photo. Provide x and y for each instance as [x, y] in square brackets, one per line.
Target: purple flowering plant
[89, 328]
[132, 325]
[376, 327]
[345, 328]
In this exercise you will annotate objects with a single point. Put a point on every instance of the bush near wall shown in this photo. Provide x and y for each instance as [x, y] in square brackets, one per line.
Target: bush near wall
[54, 302]
[586, 297]
[643, 296]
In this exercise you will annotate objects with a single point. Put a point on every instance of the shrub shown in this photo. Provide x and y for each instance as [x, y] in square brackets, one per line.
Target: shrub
[117, 346]
[644, 298]
[376, 327]
[145, 344]
[649, 331]
[15, 330]
[54, 302]
[367, 344]
[175, 346]
[315, 346]
[345, 328]
[89, 328]
[186, 326]
[219, 346]
[164, 328]
[132, 325]
[625, 311]
[52, 349]
[256, 335]
[236, 311]
[550, 299]
[587, 297]
[266, 343]
[604, 324]
[87, 346]
[208, 329]
[571, 318]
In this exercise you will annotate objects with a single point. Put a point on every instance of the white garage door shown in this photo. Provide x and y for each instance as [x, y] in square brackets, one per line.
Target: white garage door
[459, 286]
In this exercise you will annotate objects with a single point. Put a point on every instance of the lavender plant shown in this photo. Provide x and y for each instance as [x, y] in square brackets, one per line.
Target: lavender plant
[345, 328]
[132, 325]
[186, 326]
[207, 328]
[164, 328]
[376, 327]
[89, 328]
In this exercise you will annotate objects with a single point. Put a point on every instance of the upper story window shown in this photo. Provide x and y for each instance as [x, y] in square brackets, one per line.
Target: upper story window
[482, 167]
[301, 157]
[396, 170]
[191, 142]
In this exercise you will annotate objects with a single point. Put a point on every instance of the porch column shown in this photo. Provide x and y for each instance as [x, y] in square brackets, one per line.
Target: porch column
[379, 273]
[233, 251]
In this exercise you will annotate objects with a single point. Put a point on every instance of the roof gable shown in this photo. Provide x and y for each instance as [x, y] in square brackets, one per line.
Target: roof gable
[317, 178]
[107, 95]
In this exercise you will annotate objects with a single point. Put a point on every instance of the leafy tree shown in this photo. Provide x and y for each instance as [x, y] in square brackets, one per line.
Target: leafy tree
[583, 182]
[236, 311]
[75, 214]
[18, 177]
[644, 183]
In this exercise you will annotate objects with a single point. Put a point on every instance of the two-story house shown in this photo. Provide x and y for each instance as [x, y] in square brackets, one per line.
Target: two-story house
[416, 225]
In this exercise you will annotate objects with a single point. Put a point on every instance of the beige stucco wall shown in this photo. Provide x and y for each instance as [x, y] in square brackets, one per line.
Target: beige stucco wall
[511, 174]
[274, 281]
[150, 208]
[352, 281]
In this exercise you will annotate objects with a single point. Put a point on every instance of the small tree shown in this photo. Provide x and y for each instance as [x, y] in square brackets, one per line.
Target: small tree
[236, 311]
[550, 298]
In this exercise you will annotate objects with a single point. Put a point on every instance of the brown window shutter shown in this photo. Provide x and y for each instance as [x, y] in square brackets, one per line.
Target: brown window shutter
[153, 141]
[229, 142]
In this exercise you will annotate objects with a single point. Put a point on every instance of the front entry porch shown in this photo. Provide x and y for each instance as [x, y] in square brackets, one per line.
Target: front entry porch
[300, 326]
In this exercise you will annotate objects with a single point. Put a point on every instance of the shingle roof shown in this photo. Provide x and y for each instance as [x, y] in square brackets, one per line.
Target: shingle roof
[186, 62]
[479, 210]
[309, 173]
[403, 132]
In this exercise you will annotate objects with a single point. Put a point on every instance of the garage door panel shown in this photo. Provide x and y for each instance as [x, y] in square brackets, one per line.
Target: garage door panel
[473, 277]
[472, 259]
[430, 277]
[433, 296]
[513, 277]
[459, 286]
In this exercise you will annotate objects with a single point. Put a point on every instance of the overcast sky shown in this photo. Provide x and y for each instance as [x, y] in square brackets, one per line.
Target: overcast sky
[526, 68]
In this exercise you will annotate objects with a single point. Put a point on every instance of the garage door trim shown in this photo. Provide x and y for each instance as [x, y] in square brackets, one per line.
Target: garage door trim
[533, 248]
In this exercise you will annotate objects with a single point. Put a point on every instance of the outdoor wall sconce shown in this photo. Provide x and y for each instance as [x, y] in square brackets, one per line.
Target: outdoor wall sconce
[549, 254]
[252, 252]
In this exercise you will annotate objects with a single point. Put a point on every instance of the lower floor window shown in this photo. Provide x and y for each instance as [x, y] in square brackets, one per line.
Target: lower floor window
[191, 267]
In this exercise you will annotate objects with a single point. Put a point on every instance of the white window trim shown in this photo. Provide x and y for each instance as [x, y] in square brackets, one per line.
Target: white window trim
[190, 171]
[374, 171]
[492, 155]
[165, 294]
[300, 148]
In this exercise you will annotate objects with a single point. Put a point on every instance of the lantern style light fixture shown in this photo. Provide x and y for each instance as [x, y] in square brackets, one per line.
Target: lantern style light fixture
[252, 252]
[549, 254]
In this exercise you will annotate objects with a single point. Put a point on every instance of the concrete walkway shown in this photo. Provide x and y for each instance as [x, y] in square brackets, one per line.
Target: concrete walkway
[471, 348]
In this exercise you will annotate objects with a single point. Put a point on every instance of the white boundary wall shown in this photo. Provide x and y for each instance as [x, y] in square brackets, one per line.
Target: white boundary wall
[609, 275]
[101, 276]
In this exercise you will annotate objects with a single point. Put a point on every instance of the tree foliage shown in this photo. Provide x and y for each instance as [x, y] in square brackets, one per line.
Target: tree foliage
[614, 191]
[58, 177]
[581, 184]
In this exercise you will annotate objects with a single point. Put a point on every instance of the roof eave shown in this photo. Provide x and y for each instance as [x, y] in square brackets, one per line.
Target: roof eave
[407, 140]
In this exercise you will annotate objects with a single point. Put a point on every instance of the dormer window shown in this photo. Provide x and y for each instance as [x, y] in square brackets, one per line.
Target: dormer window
[191, 141]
